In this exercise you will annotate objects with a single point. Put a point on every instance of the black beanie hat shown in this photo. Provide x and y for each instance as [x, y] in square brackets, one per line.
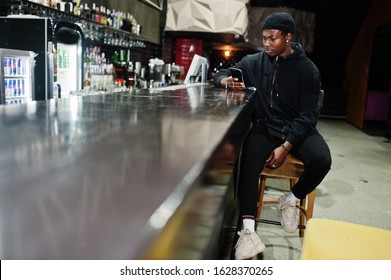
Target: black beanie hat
[280, 21]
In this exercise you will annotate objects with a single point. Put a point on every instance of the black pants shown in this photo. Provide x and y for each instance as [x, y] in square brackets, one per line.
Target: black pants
[312, 150]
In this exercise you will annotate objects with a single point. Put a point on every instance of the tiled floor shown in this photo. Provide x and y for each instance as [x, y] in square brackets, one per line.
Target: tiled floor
[357, 188]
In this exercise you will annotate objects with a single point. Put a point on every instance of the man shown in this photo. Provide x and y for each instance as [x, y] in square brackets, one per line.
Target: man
[287, 105]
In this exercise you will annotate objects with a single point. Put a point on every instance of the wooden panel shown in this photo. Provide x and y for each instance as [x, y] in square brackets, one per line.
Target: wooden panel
[358, 61]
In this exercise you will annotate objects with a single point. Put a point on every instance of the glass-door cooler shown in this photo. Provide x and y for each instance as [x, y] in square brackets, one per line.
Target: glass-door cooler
[17, 76]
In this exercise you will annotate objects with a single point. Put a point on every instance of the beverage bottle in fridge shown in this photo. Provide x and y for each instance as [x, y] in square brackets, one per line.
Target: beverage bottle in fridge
[19, 66]
[59, 58]
[15, 91]
[8, 69]
[5, 66]
[18, 87]
[9, 89]
[13, 66]
[22, 88]
[6, 87]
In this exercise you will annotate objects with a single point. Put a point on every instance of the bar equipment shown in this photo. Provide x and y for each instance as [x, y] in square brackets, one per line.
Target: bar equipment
[17, 76]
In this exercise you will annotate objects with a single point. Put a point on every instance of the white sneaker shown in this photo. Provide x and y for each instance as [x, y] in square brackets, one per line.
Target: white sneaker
[289, 214]
[249, 245]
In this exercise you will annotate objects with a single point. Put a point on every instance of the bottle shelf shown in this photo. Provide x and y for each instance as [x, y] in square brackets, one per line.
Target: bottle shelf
[15, 76]
[94, 32]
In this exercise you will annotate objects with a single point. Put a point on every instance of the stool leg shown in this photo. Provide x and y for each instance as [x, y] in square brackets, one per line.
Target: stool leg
[309, 210]
[302, 216]
[302, 219]
[310, 204]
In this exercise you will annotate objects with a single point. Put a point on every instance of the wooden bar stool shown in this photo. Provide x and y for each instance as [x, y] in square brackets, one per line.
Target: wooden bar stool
[290, 170]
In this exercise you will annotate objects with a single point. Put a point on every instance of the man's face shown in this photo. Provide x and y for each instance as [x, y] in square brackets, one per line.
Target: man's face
[274, 42]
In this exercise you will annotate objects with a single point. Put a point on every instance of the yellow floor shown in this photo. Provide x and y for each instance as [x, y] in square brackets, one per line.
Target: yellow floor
[336, 240]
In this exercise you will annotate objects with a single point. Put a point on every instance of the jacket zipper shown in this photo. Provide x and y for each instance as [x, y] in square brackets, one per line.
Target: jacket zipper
[272, 89]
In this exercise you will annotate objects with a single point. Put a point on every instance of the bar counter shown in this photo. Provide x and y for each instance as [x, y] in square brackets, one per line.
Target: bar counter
[138, 175]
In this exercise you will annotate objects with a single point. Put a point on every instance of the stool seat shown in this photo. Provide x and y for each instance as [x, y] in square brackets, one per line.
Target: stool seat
[291, 168]
[336, 240]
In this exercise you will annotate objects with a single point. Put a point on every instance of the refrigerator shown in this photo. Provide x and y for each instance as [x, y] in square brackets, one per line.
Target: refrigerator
[17, 76]
[68, 54]
[35, 34]
[58, 45]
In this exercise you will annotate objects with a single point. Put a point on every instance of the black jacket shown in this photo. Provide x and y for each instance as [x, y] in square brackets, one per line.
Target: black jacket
[288, 92]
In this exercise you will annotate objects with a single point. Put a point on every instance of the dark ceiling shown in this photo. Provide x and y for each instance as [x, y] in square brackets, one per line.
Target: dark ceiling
[337, 23]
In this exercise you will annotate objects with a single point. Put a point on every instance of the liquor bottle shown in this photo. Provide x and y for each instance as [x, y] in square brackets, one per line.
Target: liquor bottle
[120, 66]
[87, 12]
[131, 77]
[103, 15]
[109, 19]
[98, 14]
[114, 57]
[69, 7]
[53, 3]
[93, 12]
[77, 10]
[122, 57]
[87, 69]
[143, 83]
[113, 19]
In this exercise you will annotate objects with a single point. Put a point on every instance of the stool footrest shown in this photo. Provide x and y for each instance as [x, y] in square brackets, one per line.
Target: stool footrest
[301, 208]
[270, 222]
